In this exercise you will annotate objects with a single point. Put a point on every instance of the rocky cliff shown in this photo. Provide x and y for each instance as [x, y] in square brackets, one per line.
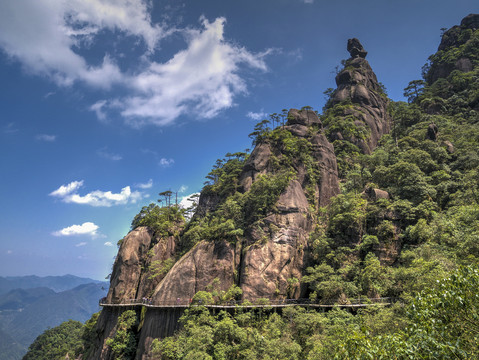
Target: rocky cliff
[455, 44]
[360, 99]
[252, 226]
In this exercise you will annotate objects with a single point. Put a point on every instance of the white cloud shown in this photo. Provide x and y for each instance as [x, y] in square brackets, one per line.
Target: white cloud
[183, 188]
[80, 244]
[166, 162]
[48, 38]
[202, 79]
[108, 155]
[257, 115]
[65, 190]
[68, 194]
[189, 200]
[308, 1]
[87, 228]
[46, 137]
[9, 252]
[146, 185]
[44, 34]
[108, 243]
[98, 109]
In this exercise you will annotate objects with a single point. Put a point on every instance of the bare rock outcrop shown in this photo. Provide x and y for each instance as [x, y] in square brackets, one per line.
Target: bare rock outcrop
[158, 262]
[356, 49]
[431, 133]
[127, 269]
[373, 194]
[257, 164]
[273, 265]
[197, 270]
[357, 84]
[323, 152]
[136, 270]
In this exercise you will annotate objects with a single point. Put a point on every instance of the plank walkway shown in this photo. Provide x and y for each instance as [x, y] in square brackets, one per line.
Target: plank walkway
[242, 305]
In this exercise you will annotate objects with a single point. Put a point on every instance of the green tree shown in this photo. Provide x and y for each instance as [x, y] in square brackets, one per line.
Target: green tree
[56, 343]
[414, 89]
[124, 342]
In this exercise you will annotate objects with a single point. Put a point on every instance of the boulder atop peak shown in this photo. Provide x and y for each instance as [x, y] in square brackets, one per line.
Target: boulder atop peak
[355, 49]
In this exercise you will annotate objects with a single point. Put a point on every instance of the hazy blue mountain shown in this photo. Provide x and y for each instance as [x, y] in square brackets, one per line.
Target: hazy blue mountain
[26, 313]
[56, 283]
[17, 299]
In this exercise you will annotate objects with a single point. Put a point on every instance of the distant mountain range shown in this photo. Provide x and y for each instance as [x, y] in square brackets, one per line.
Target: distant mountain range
[56, 283]
[31, 304]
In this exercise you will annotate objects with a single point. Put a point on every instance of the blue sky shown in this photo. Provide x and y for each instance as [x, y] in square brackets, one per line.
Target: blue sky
[106, 103]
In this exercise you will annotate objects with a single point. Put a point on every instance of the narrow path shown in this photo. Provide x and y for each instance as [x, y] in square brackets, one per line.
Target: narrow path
[248, 305]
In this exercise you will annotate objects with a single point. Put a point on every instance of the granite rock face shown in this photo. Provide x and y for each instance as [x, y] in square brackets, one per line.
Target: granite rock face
[271, 254]
[356, 49]
[358, 85]
[127, 270]
[197, 270]
[134, 274]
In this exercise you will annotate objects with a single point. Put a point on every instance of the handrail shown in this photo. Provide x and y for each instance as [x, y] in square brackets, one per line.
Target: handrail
[260, 302]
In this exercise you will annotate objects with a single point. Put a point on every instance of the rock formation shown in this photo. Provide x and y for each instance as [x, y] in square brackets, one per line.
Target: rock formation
[431, 133]
[453, 39]
[269, 259]
[355, 49]
[359, 89]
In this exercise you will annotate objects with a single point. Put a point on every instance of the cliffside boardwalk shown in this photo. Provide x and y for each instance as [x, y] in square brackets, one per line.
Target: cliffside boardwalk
[259, 303]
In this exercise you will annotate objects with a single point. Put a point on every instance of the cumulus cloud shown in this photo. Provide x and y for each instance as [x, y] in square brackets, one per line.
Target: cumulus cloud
[146, 185]
[52, 38]
[182, 188]
[46, 137]
[43, 35]
[87, 228]
[108, 243]
[202, 79]
[68, 194]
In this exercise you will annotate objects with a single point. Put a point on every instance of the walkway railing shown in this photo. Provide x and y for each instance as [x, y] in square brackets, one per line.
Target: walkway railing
[256, 303]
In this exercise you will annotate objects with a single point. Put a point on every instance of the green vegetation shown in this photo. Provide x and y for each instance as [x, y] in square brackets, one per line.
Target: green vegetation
[71, 338]
[56, 343]
[441, 322]
[164, 221]
[124, 341]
